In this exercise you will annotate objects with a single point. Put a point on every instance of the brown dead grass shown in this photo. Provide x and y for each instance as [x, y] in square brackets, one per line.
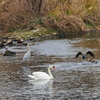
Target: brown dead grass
[62, 15]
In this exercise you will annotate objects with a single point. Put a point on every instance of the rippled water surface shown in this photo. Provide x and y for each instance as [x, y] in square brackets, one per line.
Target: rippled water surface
[74, 79]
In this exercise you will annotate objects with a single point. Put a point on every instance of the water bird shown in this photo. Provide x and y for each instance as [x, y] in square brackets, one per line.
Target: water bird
[27, 55]
[9, 53]
[93, 61]
[43, 75]
[84, 56]
[2, 45]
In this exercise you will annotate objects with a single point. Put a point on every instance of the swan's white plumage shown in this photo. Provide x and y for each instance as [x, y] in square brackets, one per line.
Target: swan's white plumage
[31, 76]
[42, 75]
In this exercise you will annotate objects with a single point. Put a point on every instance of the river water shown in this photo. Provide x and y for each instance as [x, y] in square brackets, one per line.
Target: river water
[74, 79]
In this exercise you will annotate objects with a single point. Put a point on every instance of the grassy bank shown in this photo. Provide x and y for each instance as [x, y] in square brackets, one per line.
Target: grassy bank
[62, 16]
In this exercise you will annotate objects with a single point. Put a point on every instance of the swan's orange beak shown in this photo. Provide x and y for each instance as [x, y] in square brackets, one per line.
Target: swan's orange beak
[54, 67]
[31, 43]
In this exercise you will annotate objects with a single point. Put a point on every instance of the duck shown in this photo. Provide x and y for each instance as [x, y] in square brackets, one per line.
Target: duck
[2, 45]
[9, 53]
[84, 56]
[93, 61]
[43, 75]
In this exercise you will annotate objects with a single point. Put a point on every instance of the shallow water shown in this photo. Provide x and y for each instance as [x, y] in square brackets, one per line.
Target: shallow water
[73, 79]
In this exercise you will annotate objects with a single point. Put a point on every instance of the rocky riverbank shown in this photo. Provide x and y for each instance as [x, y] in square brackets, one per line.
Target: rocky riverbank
[40, 34]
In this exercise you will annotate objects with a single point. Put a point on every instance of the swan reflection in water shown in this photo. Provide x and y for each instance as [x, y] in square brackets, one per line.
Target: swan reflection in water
[42, 87]
[41, 83]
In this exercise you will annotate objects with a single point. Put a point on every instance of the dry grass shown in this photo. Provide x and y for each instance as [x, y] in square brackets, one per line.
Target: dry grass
[76, 15]
[15, 14]
[62, 15]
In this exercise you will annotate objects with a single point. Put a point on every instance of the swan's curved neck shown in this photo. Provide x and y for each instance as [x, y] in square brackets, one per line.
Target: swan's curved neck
[50, 74]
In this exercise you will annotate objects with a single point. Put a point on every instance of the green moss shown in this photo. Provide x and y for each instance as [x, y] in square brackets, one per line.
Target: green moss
[90, 25]
[53, 14]
[69, 12]
[38, 33]
[39, 21]
[92, 36]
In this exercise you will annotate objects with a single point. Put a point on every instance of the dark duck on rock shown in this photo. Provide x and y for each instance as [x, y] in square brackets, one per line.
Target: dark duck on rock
[2, 45]
[9, 53]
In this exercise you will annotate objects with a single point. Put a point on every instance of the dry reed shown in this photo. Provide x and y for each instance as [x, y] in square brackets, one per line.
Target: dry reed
[62, 15]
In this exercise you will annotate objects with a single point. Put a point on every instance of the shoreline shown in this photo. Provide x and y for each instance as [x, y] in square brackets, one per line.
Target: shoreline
[42, 34]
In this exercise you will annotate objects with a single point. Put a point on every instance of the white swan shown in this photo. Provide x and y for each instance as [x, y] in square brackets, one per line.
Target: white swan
[43, 75]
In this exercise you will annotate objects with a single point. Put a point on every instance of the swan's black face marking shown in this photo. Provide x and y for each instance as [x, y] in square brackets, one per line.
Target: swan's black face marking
[53, 67]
